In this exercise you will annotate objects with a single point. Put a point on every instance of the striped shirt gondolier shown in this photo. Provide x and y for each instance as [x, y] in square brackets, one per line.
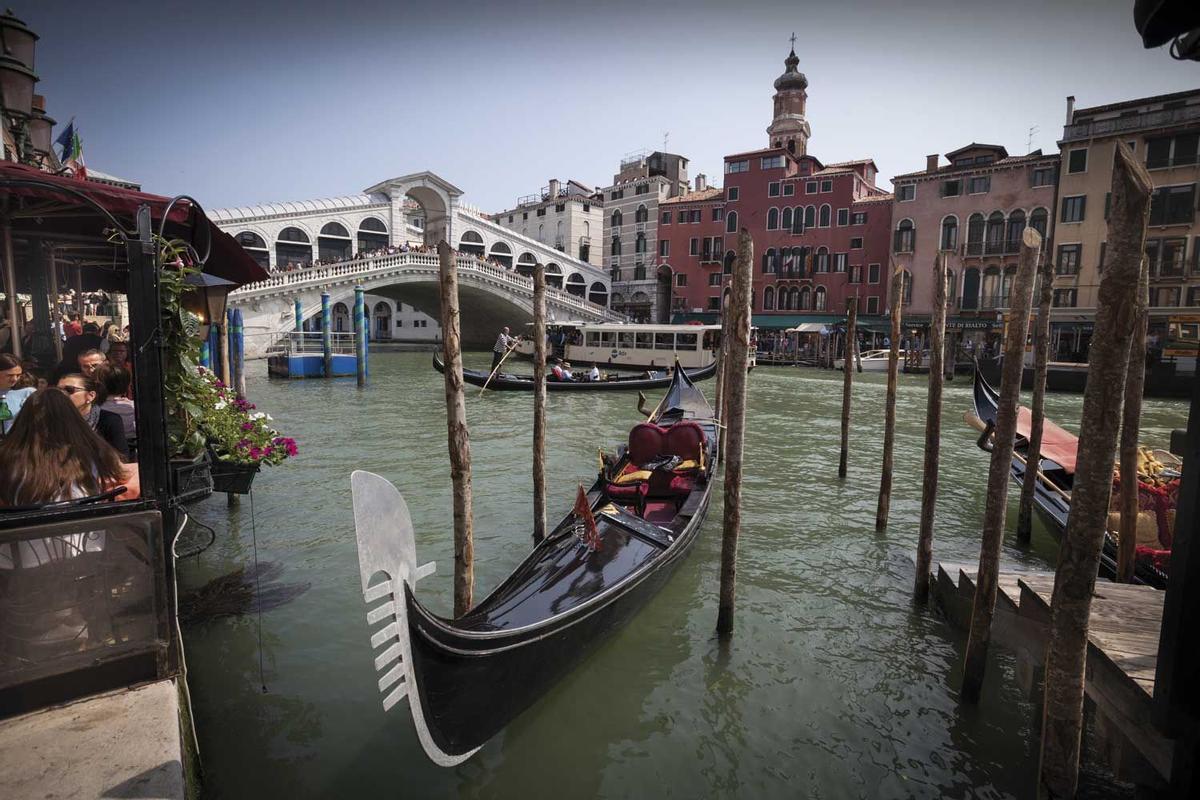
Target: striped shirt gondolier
[503, 342]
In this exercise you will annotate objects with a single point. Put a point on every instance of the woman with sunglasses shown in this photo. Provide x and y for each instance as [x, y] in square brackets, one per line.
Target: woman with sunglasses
[87, 395]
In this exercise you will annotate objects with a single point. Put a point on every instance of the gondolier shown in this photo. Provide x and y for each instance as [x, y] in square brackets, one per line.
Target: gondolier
[503, 343]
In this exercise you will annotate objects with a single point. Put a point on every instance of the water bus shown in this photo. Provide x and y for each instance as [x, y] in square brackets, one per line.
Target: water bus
[631, 345]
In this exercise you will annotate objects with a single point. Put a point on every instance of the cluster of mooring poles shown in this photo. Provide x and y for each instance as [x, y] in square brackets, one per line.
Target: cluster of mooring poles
[224, 351]
[361, 327]
[1111, 409]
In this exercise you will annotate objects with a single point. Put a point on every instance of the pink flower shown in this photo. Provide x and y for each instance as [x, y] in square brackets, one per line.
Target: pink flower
[247, 426]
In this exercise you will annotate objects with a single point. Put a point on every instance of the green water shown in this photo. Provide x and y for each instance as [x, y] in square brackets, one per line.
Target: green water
[833, 686]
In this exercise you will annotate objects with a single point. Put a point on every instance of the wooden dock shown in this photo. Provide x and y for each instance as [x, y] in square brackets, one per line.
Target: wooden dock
[1121, 661]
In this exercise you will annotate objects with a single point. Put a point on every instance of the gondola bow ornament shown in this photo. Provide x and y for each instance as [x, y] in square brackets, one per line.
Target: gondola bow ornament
[585, 522]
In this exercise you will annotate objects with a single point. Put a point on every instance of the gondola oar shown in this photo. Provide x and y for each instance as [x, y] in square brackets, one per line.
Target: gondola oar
[511, 347]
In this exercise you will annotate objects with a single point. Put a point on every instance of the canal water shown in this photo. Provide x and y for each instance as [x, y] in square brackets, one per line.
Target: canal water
[834, 685]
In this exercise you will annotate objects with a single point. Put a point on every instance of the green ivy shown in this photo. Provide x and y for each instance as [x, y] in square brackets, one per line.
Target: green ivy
[183, 388]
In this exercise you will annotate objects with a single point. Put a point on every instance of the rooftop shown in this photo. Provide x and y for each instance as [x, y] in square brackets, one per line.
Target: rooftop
[1010, 161]
[296, 207]
[714, 193]
[1141, 101]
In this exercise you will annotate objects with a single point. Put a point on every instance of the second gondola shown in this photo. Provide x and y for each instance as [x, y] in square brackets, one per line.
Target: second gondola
[507, 381]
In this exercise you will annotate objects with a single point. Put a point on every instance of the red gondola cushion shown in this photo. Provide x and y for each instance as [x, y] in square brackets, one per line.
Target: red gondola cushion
[645, 443]
[684, 439]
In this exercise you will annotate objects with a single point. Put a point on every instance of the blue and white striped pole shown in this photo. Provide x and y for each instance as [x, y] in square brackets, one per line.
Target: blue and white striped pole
[360, 336]
[327, 333]
[299, 315]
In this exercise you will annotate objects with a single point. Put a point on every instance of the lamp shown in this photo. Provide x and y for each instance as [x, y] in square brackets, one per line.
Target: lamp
[40, 126]
[16, 86]
[206, 299]
[18, 40]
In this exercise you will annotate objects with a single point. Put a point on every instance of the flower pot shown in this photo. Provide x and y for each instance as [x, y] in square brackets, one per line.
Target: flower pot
[191, 478]
[233, 478]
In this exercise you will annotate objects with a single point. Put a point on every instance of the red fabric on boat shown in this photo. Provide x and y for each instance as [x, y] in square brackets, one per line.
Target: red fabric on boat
[659, 512]
[645, 442]
[684, 439]
[1058, 445]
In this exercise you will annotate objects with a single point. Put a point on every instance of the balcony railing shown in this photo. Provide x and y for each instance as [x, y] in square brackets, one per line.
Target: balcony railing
[1066, 269]
[973, 249]
[1150, 119]
[994, 248]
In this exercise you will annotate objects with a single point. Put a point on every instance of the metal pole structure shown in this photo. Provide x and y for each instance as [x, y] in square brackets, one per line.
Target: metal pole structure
[327, 334]
[10, 290]
[55, 313]
[299, 311]
[360, 337]
[226, 350]
[458, 438]
[1079, 554]
[737, 360]
[214, 346]
[539, 402]
[366, 347]
[848, 379]
[896, 287]
[79, 290]
[1001, 464]
[239, 354]
[1041, 356]
[933, 429]
[1135, 381]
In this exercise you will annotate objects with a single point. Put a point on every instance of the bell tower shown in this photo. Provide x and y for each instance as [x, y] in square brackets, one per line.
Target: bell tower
[789, 129]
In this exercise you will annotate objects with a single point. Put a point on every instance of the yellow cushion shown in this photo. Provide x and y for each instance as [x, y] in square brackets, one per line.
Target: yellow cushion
[632, 477]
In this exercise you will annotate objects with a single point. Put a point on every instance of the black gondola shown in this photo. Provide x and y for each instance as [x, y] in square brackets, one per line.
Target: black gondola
[467, 678]
[505, 381]
[1052, 490]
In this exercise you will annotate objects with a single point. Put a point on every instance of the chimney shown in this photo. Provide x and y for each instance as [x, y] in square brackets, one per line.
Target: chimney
[701, 182]
[553, 188]
[1070, 109]
[931, 163]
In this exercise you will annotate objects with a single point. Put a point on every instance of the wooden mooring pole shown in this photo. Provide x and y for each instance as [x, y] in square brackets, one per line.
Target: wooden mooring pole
[1041, 355]
[848, 379]
[933, 429]
[458, 439]
[896, 287]
[539, 402]
[737, 358]
[1079, 554]
[1135, 381]
[984, 605]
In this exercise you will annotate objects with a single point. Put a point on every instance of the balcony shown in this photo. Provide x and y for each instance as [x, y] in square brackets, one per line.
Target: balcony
[994, 248]
[994, 302]
[1150, 119]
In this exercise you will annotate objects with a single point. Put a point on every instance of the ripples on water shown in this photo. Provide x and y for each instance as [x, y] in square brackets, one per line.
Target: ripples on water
[833, 685]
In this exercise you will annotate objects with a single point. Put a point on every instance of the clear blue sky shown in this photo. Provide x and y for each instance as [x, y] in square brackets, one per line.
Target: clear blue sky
[245, 102]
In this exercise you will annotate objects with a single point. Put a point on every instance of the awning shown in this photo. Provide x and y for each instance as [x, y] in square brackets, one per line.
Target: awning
[808, 327]
[50, 207]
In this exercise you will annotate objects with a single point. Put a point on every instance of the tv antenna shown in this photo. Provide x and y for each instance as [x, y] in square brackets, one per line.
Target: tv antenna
[1029, 140]
[666, 138]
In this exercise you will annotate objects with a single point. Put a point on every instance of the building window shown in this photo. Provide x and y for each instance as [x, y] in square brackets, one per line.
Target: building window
[732, 193]
[773, 189]
[693, 246]
[951, 188]
[826, 212]
[768, 261]
[789, 189]
[950, 233]
[1166, 297]
[810, 187]
[979, 185]
[810, 216]
[1077, 160]
[718, 214]
[666, 218]
[843, 217]
[541, 212]
[714, 279]
[1037, 221]
[906, 192]
[1043, 176]
[768, 299]
[839, 262]
[639, 245]
[773, 219]
[822, 261]
[872, 273]
[856, 243]
[1165, 257]
[681, 279]
[510, 219]
[819, 299]
[856, 274]
[525, 215]
[1068, 259]
[872, 305]
[664, 247]
[1173, 205]
[1172, 151]
[859, 218]
[616, 246]
[641, 215]
[1073, 208]
[617, 195]
[772, 162]
[642, 189]
[714, 304]
[905, 237]
[1064, 298]
[737, 166]
[826, 186]
[786, 221]
[695, 215]
[683, 217]
[731, 225]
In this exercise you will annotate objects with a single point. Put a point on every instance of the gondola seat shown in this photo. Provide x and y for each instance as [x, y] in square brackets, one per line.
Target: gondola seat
[660, 512]
[648, 443]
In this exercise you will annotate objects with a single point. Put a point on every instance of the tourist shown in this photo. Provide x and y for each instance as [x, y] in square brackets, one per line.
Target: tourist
[87, 395]
[75, 326]
[503, 343]
[594, 373]
[12, 394]
[52, 455]
[567, 375]
[116, 386]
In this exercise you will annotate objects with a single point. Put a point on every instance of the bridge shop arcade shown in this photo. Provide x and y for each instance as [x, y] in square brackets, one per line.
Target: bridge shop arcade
[87, 586]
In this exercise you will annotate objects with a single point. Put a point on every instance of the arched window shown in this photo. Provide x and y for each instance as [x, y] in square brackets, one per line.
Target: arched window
[786, 222]
[639, 244]
[772, 219]
[819, 299]
[333, 243]
[587, 228]
[731, 225]
[558, 237]
[292, 247]
[825, 216]
[1037, 221]
[805, 299]
[730, 257]
[970, 289]
[798, 261]
[256, 246]
[525, 264]
[907, 278]
[810, 216]
[598, 293]
[768, 261]
[994, 239]
[990, 293]
[905, 237]
[950, 233]
[382, 314]
[822, 259]
[576, 285]
[951, 287]
[640, 215]
[554, 275]
[616, 246]
[768, 299]
[471, 242]
[341, 318]
[1016, 229]
[787, 261]
[502, 254]
[794, 298]
[372, 235]
[542, 233]
[975, 226]
[616, 219]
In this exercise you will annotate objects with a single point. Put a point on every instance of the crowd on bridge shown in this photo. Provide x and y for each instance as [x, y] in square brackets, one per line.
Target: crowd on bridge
[296, 266]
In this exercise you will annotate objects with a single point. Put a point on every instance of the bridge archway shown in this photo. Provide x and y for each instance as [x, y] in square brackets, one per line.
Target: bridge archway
[576, 285]
[598, 294]
[293, 246]
[341, 318]
[382, 318]
[525, 264]
[554, 276]
[501, 253]
[471, 242]
[372, 235]
[333, 242]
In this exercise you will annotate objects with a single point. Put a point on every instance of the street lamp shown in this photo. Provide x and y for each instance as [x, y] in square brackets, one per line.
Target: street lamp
[206, 299]
[17, 43]
[40, 126]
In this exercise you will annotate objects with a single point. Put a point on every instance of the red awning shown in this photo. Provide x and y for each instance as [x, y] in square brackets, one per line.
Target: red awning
[226, 258]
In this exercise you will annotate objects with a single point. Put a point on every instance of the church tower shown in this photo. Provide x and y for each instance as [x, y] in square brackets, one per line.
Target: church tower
[789, 128]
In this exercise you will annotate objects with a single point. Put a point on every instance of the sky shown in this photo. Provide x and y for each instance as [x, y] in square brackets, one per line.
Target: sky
[245, 102]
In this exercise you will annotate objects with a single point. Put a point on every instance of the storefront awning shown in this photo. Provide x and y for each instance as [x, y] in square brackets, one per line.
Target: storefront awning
[808, 327]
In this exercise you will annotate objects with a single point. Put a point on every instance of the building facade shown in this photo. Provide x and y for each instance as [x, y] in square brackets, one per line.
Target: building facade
[974, 210]
[568, 217]
[1164, 134]
[631, 213]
